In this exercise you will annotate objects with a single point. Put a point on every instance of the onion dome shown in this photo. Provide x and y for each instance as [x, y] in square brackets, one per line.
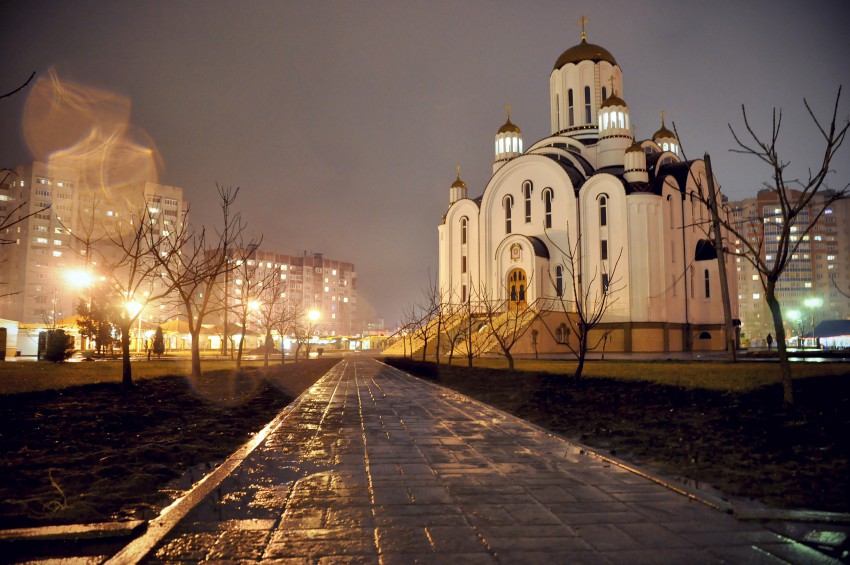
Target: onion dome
[584, 51]
[665, 138]
[458, 189]
[508, 142]
[459, 182]
[613, 100]
[509, 127]
[663, 132]
[635, 147]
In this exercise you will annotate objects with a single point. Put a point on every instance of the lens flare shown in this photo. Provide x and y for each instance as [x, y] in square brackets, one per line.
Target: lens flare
[86, 131]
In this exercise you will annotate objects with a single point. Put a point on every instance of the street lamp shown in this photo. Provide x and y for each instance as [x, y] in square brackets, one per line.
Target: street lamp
[813, 303]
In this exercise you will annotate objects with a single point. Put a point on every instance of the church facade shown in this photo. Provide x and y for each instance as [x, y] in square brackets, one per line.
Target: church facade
[589, 211]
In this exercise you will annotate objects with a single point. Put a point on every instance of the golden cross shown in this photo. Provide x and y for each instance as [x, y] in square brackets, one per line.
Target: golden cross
[662, 117]
[458, 170]
[508, 108]
[611, 80]
[581, 22]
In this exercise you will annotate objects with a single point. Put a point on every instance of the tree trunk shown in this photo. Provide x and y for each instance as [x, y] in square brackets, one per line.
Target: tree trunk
[196, 356]
[510, 359]
[582, 353]
[266, 348]
[779, 328]
[126, 370]
[439, 330]
[424, 349]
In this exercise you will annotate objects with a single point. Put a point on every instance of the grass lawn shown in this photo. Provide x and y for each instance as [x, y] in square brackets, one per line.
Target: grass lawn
[30, 376]
[712, 423]
[730, 377]
[76, 453]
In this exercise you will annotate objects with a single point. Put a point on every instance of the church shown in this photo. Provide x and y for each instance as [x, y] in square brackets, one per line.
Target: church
[586, 212]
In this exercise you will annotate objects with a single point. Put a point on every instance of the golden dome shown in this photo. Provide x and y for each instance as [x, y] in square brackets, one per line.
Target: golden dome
[584, 51]
[509, 126]
[635, 147]
[663, 132]
[613, 100]
[458, 183]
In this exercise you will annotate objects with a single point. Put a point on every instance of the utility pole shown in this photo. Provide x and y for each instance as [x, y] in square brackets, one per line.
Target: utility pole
[731, 342]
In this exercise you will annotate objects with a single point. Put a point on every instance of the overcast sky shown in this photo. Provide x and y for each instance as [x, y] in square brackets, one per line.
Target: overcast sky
[342, 122]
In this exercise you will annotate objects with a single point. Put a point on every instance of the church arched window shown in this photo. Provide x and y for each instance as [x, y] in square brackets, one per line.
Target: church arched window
[547, 207]
[603, 210]
[587, 105]
[559, 280]
[526, 191]
[604, 93]
[707, 285]
[508, 203]
[464, 224]
[570, 104]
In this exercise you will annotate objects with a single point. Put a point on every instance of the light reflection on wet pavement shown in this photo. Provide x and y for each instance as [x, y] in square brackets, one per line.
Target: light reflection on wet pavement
[374, 466]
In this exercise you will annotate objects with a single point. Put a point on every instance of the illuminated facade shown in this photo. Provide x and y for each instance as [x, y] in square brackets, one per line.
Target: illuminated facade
[591, 187]
[313, 283]
[810, 289]
[42, 250]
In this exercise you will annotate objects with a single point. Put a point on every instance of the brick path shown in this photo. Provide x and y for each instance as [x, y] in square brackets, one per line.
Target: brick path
[374, 466]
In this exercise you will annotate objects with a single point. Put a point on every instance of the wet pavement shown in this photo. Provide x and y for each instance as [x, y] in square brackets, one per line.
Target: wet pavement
[374, 466]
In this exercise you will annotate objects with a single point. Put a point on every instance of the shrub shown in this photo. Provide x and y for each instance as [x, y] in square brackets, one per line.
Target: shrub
[60, 346]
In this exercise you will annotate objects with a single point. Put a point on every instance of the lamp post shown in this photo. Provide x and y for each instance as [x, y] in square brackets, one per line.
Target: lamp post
[813, 303]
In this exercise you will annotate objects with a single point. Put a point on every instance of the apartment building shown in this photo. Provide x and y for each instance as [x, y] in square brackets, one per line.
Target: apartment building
[810, 289]
[313, 283]
[66, 227]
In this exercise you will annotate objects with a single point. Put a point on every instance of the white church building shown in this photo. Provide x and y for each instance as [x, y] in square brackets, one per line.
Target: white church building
[591, 187]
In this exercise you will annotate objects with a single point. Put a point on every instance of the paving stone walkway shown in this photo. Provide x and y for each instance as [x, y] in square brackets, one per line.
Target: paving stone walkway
[375, 466]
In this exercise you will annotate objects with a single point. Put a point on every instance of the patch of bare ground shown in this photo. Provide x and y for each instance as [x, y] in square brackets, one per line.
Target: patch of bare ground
[102, 452]
[742, 443]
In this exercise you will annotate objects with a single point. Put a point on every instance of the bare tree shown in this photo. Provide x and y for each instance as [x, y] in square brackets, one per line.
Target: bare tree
[475, 329]
[133, 268]
[250, 277]
[191, 263]
[802, 202]
[585, 305]
[273, 312]
[508, 318]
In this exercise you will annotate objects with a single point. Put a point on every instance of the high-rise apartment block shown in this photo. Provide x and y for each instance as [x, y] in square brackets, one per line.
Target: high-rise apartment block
[67, 226]
[315, 283]
[810, 289]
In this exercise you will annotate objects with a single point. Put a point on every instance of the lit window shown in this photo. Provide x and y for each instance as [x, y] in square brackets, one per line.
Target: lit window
[526, 189]
[110, 213]
[756, 296]
[755, 277]
[57, 253]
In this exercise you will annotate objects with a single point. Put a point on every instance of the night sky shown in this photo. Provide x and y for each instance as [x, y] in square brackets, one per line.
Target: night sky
[342, 122]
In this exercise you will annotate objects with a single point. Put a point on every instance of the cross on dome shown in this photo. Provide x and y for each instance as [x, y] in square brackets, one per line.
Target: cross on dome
[581, 22]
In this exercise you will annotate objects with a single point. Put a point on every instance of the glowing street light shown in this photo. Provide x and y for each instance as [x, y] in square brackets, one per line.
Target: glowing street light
[314, 315]
[79, 278]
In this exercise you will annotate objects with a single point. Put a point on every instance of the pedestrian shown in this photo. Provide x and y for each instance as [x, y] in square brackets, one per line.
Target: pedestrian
[769, 341]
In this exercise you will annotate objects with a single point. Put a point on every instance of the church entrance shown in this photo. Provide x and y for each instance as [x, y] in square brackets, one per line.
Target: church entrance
[516, 286]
